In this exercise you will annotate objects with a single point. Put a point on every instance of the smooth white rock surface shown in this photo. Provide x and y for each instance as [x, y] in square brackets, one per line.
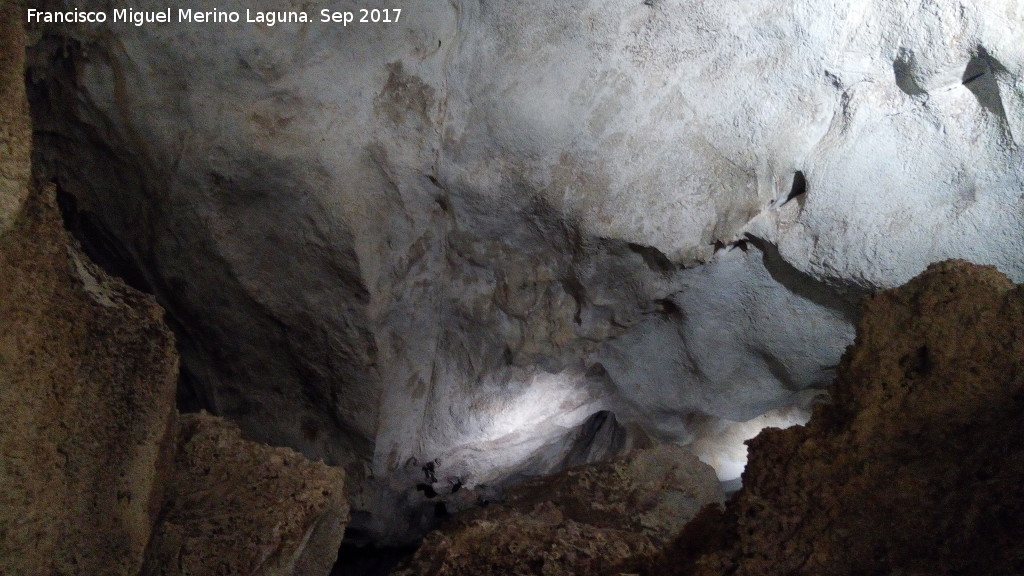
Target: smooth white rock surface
[454, 238]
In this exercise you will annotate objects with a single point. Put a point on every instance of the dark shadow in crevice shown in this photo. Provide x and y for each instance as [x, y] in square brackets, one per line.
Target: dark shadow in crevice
[99, 244]
[799, 187]
[844, 300]
[903, 71]
[354, 560]
[980, 78]
[655, 259]
[105, 250]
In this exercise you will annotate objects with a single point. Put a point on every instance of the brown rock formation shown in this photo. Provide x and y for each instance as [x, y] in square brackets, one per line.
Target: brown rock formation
[15, 126]
[917, 467]
[238, 507]
[87, 383]
[87, 377]
[593, 519]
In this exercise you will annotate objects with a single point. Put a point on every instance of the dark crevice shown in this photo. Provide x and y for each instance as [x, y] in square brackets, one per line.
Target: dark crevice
[844, 300]
[427, 489]
[106, 251]
[190, 396]
[799, 187]
[655, 259]
[916, 364]
[597, 371]
[666, 307]
[599, 437]
[979, 77]
[573, 287]
[429, 473]
[356, 560]
[903, 71]
[99, 244]
[741, 244]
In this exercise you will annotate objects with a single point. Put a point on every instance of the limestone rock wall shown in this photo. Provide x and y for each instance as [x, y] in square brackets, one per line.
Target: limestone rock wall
[454, 238]
[916, 467]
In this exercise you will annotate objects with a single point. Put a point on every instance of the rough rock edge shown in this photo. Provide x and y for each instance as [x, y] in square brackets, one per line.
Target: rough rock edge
[87, 382]
[87, 400]
[15, 126]
[246, 508]
[87, 378]
[918, 465]
[600, 518]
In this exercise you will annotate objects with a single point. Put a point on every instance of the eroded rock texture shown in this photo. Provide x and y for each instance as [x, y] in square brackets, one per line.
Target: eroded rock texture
[591, 519]
[454, 238]
[15, 124]
[87, 378]
[91, 478]
[88, 372]
[917, 467]
[237, 507]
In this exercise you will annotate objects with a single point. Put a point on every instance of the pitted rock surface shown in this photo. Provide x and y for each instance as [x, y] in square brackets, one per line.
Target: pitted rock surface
[592, 519]
[917, 467]
[87, 377]
[238, 507]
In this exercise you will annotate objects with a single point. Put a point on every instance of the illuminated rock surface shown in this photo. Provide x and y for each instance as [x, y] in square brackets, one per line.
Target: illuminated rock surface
[918, 465]
[590, 519]
[453, 239]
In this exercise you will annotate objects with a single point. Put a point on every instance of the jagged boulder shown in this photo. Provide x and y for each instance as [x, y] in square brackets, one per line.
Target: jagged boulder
[587, 520]
[916, 467]
[88, 372]
[238, 507]
[87, 378]
[92, 476]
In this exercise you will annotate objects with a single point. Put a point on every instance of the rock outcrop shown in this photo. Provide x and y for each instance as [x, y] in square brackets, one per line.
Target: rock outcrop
[91, 476]
[916, 467]
[237, 507]
[15, 123]
[590, 519]
[87, 379]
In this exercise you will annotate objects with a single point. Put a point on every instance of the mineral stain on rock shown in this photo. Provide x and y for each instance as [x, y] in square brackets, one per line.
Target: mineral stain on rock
[405, 94]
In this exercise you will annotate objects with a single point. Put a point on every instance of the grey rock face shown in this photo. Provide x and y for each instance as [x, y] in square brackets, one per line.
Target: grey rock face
[453, 239]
